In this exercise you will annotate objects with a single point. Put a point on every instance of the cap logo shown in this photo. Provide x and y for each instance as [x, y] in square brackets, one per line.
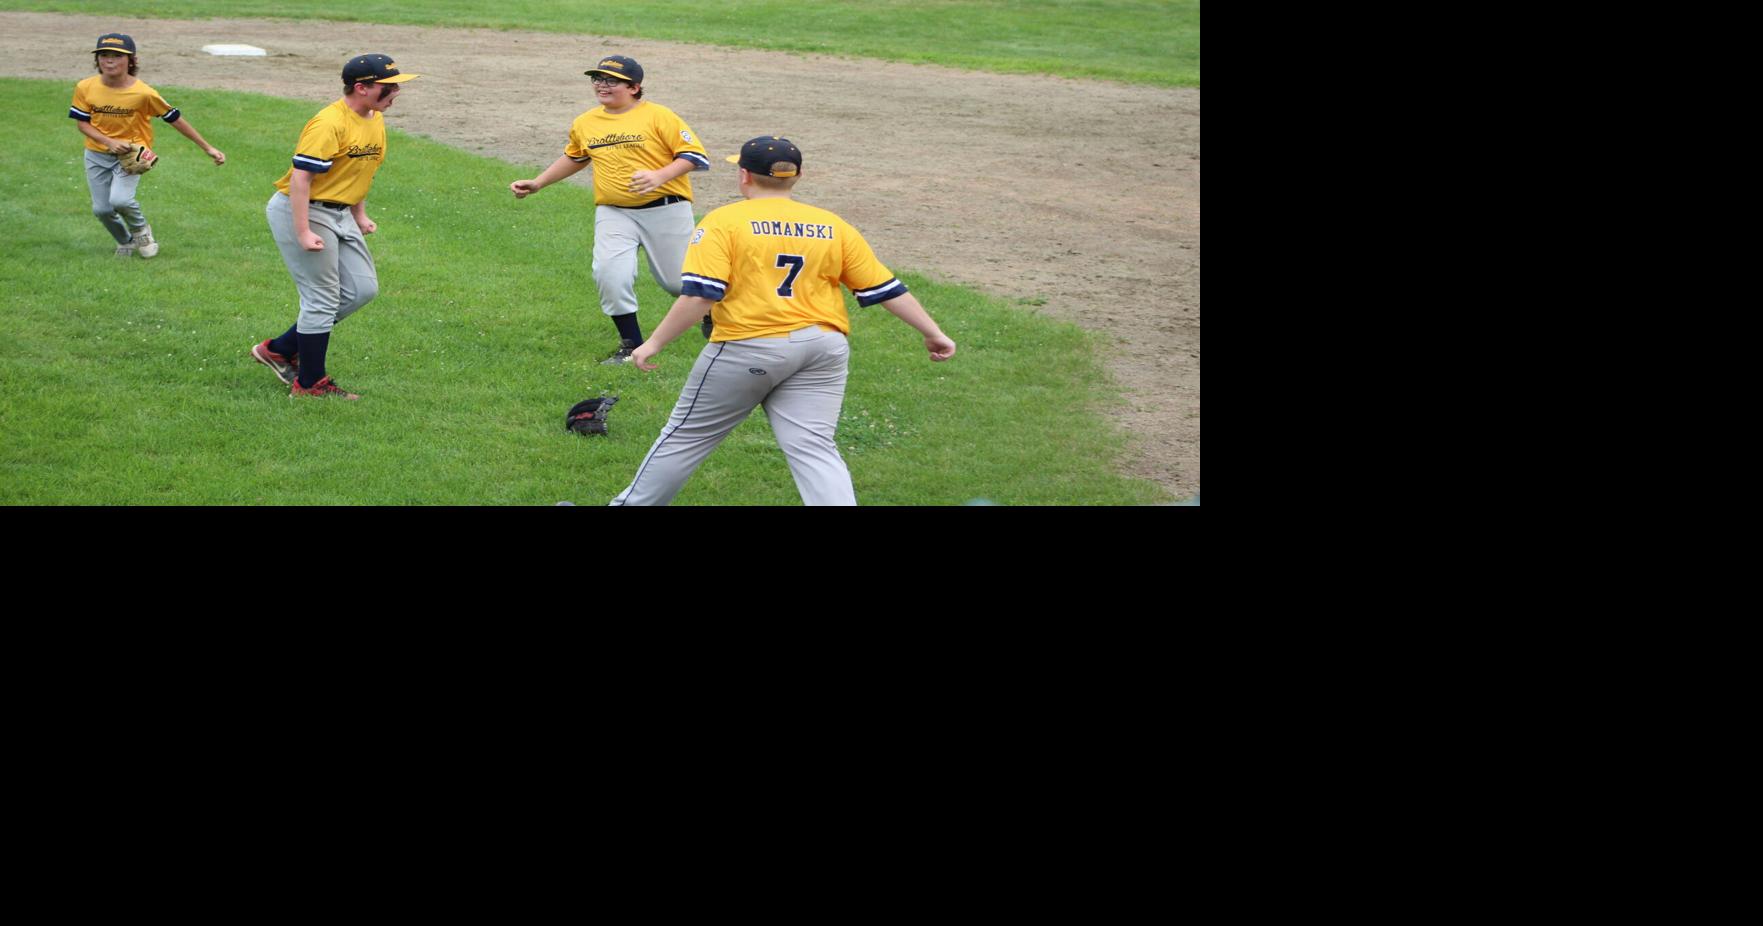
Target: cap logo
[612, 65]
[111, 42]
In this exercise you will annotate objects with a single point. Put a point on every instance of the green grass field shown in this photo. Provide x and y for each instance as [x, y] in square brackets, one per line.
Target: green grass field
[1138, 41]
[128, 382]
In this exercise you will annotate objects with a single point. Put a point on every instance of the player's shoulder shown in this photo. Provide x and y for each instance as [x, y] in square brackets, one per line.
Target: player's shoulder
[339, 112]
[724, 215]
[811, 212]
[661, 117]
[88, 83]
[332, 118]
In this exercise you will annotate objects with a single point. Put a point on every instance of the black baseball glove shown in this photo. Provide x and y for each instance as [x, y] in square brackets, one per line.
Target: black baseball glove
[589, 415]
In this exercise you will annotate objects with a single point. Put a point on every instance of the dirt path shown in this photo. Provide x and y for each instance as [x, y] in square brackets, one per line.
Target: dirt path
[1083, 193]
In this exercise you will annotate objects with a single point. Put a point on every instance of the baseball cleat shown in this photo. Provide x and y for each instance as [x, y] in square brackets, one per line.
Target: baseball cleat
[144, 243]
[622, 355]
[324, 389]
[286, 369]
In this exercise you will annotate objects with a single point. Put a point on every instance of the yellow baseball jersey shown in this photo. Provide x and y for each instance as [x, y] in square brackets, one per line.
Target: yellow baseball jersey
[125, 115]
[648, 136]
[342, 151]
[775, 265]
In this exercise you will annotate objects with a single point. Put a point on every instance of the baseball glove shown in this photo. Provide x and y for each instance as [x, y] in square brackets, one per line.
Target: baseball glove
[589, 415]
[139, 160]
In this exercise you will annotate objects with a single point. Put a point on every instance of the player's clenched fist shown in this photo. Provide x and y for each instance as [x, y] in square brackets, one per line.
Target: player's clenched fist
[524, 188]
[940, 346]
[311, 242]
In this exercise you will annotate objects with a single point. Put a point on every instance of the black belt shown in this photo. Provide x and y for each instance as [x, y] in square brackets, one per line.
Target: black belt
[663, 201]
[329, 205]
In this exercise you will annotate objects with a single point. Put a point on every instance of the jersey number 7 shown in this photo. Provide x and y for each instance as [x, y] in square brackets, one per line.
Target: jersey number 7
[794, 262]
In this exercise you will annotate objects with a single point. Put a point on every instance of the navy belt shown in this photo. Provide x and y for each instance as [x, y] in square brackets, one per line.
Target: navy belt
[663, 201]
[329, 205]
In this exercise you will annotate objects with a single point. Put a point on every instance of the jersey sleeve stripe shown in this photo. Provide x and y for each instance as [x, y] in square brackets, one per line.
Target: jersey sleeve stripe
[881, 293]
[74, 112]
[312, 165]
[173, 115]
[703, 287]
[583, 159]
[696, 158]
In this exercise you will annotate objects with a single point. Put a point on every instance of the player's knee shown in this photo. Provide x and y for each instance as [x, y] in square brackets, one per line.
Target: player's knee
[608, 271]
[119, 203]
[104, 212]
[362, 293]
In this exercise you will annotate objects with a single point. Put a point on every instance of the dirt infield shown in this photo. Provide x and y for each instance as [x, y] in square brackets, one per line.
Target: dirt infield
[1084, 194]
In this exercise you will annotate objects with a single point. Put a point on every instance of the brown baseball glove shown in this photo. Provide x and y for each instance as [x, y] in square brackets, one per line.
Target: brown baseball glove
[139, 160]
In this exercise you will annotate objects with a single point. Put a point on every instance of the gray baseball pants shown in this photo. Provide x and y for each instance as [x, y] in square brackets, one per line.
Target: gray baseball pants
[663, 231]
[334, 282]
[799, 379]
[113, 196]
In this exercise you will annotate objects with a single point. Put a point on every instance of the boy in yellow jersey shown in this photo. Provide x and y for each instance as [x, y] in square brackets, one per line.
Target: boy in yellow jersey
[115, 110]
[641, 152]
[769, 271]
[318, 216]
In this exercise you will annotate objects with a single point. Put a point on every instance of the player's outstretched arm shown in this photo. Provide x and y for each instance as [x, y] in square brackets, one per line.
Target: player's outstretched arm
[561, 169]
[906, 308]
[686, 312]
[189, 131]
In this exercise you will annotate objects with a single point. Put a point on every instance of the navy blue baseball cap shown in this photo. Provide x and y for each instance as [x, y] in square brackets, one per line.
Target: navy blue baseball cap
[116, 41]
[618, 66]
[374, 69]
[769, 156]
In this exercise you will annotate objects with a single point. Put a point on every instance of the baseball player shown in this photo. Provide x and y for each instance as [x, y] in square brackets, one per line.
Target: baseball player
[641, 152]
[769, 269]
[318, 216]
[115, 111]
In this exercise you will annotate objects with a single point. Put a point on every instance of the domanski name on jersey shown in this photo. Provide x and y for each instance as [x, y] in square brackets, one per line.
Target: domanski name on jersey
[792, 230]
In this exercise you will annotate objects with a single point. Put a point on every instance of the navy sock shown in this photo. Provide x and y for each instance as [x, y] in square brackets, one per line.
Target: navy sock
[288, 344]
[312, 348]
[628, 329]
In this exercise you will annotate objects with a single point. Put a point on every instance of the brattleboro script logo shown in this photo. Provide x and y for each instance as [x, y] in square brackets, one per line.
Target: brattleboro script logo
[607, 141]
[364, 151]
[113, 110]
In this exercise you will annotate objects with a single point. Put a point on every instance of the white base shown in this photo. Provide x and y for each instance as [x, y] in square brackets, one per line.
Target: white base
[250, 50]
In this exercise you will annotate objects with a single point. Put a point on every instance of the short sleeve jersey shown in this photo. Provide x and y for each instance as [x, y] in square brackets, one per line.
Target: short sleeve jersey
[342, 151]
[648, 136]
[775, 265]
[125, 115]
